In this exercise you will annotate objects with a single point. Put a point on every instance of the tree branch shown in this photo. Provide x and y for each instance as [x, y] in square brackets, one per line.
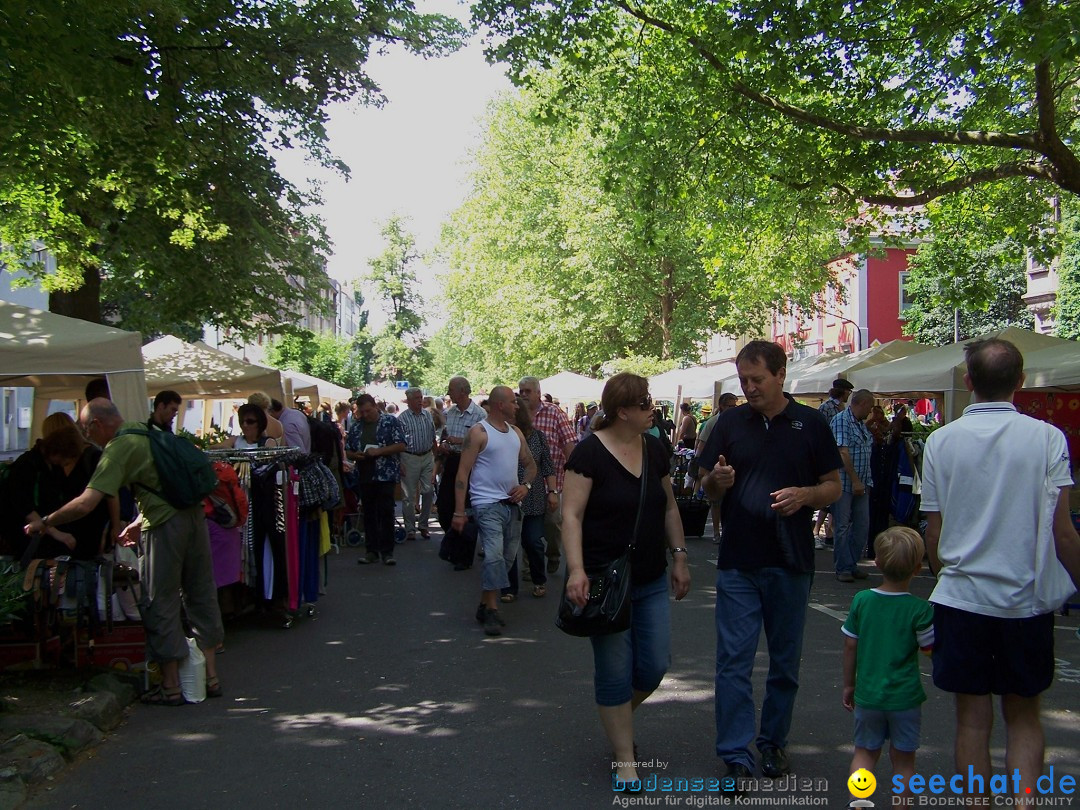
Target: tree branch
[1025, 141]
[1030, 168]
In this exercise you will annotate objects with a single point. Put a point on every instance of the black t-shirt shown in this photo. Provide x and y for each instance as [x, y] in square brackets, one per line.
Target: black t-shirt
[608, 523]
[794, 449]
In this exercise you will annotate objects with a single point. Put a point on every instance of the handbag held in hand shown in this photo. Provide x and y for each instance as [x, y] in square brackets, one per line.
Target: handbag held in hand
[608, 608]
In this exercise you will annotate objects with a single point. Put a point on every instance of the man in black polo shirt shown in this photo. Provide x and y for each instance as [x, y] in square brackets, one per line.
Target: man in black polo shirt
[772, 462]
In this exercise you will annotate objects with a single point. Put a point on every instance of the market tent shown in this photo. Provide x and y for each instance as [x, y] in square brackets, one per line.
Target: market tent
[566, 386]
[696, 382]
[1054, 368]
[57, 356]
[316, 390]
[198, 371]
[818, 378]
[941, 370]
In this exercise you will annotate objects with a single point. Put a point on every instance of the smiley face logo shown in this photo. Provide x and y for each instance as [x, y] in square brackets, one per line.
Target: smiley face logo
[861, 783]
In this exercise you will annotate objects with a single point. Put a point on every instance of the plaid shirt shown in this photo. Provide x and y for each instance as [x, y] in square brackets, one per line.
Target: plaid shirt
[556, 427]
[458, 422]
[419, 430]
[830, 408]
[849, 432]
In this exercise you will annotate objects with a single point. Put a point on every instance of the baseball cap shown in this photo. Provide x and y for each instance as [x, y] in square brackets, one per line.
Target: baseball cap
[590, 405]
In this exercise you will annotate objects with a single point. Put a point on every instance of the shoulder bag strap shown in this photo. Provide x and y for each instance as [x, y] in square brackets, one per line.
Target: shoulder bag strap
[641, 498]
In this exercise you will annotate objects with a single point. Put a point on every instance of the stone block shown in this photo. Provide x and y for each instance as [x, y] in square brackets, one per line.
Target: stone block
[69, 734]
[124, 690]
[100, 708]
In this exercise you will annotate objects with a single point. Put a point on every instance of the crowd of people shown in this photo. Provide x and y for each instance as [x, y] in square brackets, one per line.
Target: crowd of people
[516, 473]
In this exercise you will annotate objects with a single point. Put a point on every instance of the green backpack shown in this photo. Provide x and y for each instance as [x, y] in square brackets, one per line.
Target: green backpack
[183, 469]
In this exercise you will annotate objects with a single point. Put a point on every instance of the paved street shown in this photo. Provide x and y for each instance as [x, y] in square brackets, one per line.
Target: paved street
[392, 696]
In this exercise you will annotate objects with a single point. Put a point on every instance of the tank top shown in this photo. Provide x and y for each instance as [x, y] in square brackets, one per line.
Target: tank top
[495, 471]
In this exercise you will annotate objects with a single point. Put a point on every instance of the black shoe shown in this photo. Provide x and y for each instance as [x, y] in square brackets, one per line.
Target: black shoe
[462, 567]
[735, 779]
[480, 611]
[388, 559]
[493, 623]
[774, 763]
[368, 559]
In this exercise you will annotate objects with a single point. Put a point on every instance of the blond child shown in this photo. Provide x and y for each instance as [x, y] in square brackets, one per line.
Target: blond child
[885, 629]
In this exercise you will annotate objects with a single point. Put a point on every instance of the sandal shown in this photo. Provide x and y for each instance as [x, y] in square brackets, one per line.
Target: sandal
[539, 590]
[213, 688]
[162, 696]
[507, 597]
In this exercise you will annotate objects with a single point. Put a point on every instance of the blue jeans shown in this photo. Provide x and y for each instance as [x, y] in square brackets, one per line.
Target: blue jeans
[851, 522]
[499, 526]
[636, 659]
[775, 597]
[532, 543]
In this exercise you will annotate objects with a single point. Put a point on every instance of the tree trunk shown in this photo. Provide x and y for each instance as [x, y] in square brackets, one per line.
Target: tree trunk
[83, 303]
[667, 305]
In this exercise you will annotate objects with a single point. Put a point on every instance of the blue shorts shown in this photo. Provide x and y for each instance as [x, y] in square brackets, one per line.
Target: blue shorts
[979, 655]
[873, 727]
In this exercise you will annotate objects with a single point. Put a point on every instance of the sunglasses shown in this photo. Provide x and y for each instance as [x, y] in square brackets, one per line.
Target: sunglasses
[250, 422]
[646, 403]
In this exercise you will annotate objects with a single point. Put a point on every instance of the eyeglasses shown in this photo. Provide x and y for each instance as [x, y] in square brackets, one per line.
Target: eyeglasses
[646, 403]
[250, 422]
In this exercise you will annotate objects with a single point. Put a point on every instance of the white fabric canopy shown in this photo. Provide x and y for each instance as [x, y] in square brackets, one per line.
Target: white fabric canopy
[696, 382]
[941, 370]
[1056, 367]
[316, 390]
[819, 377]
[57, 356]
[198, 371]
[566, 386]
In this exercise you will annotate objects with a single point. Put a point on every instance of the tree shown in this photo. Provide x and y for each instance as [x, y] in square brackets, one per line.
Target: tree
[139, 147]
[399, 351]
[327, 356]
[879, 102]
[1067, 309]
[963, 283]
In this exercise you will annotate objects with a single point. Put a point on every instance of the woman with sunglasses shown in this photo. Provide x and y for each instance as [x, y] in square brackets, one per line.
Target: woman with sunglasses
[600, 506]
[253, 423]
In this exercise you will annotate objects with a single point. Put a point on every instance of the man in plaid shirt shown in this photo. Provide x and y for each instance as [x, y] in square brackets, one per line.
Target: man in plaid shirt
[561, 437]
[851, 514]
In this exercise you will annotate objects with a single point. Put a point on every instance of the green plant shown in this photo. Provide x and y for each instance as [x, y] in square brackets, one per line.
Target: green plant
[13, 602]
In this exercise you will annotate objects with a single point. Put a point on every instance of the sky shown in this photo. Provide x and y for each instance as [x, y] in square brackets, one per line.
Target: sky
[407, 158]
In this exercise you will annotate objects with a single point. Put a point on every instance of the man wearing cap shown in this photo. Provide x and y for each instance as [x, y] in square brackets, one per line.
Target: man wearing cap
[584, 425]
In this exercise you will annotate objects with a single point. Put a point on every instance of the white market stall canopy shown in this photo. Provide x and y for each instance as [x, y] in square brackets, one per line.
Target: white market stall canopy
[941, 370]
[566, 386]
[57, 356]
[316, 390]
[730, 385]
[818, 378]
[1054, 368]
[198, 371]
[696, 382]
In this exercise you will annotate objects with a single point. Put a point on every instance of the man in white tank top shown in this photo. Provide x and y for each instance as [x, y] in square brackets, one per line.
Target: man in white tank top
[490, 457]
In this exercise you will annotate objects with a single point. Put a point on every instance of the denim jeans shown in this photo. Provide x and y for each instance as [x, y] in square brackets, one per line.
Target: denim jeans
[745, 600]
[532, 543]
[851, 522]
[636, 659]
[499, 526]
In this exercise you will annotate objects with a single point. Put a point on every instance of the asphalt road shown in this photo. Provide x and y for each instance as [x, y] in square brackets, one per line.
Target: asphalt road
[392, 696]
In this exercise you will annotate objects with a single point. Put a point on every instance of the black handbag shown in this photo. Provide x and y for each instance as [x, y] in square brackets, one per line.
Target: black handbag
[608, 608]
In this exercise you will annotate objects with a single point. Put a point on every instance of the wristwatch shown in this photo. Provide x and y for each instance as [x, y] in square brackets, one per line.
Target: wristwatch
[528, 486]
[554, 492]
[677, 549]
[45, 521]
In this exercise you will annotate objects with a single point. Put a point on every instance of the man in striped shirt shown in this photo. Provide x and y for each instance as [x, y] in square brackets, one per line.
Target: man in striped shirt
[417, 463]
[550, 420]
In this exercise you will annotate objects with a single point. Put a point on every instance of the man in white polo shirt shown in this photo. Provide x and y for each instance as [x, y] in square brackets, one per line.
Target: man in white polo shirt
[1001, 540]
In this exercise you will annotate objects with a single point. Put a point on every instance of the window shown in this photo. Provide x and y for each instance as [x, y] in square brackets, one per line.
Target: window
[905, 298]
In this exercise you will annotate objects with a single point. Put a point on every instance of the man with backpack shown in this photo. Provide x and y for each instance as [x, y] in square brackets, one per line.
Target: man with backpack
[169, 483]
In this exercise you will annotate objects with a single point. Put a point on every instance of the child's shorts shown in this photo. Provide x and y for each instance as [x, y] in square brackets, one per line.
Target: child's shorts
[873, 727]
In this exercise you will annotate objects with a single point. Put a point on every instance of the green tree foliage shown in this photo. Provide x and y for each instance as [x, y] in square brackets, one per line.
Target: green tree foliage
[453, 355]
[968, 279]
[139, 146]
[1067, 310]
[340, 361]
[880, 102]
[399, 350]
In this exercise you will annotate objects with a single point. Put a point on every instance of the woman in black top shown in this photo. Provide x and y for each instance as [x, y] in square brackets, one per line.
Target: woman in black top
[600, 504]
